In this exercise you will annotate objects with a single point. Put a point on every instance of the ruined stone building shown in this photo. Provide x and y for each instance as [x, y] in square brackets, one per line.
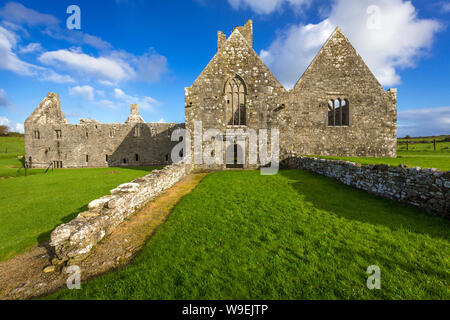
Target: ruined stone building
[336, 108]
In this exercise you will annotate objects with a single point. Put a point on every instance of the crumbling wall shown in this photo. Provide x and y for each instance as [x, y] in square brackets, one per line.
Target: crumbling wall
[74, 240]
[425, 188]
[50, 139]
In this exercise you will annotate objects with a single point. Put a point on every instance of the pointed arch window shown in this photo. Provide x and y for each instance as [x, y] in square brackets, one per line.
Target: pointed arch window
[338, 113]
[235, 101]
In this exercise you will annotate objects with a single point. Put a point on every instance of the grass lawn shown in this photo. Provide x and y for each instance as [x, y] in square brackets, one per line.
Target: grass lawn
[418, 155]
[11, 148]
[33, 206]
[410, 158]
[296, 235]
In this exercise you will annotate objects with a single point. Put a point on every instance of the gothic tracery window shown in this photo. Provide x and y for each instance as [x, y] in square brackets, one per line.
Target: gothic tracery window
[235, 99]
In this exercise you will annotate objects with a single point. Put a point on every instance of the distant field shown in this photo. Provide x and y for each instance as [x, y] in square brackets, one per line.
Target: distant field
[11, 148]
[33, 206]
[295, 235]
[418, 155]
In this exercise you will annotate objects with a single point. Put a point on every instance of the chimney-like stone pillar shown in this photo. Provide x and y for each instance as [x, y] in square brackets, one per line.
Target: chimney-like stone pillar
[221, 38]
[134, 117]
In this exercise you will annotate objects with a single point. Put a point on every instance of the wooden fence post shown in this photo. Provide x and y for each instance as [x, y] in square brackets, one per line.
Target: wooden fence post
[407, 148]
[434, 144]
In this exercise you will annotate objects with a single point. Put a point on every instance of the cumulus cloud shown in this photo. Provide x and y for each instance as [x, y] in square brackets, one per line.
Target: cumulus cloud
[85, 92]
[13, 126]
[110, 69]
[424, 122]
[115, 70]
[145, 103]
[390, 38]
[8, 58]
[267, 6]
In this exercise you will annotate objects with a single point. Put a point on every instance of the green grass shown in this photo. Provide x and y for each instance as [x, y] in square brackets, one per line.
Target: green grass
[410, 158]
[11, 149]
[296, 235]
[33, 206]
[418, 155]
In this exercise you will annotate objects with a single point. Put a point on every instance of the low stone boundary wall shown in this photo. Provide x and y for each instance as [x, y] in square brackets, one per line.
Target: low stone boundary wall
[425, 188]
[74, 240]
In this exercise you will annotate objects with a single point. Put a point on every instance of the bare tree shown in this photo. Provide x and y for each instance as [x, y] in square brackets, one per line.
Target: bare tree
[4, 130]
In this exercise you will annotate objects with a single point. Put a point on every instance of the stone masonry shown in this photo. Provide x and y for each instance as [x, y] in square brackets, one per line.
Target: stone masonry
[425, 188]
[236, 84]
[51, 140]
[74, 240]
[336, 108]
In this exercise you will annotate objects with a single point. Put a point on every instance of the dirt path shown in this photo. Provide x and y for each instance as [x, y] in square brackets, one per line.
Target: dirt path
[22, 277]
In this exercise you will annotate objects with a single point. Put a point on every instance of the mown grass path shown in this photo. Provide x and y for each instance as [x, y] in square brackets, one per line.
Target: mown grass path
[296, 235]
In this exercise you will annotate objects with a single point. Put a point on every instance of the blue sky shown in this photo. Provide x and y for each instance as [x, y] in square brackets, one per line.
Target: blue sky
[147, 51]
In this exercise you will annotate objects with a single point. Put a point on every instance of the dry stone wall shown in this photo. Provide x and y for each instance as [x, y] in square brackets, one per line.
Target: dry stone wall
[424, 188]
[74, 240]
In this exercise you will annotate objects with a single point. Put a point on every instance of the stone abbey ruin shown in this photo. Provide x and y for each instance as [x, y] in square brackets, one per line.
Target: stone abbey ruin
[336, 108]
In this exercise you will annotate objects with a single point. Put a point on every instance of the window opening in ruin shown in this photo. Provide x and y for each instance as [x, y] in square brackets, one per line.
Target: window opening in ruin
[338, 113]
[136, 156]
[58, 134]
[235, 95]
[137, 131]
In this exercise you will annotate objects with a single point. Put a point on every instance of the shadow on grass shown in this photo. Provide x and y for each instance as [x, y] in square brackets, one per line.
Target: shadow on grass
[350, 203]
[43, 237]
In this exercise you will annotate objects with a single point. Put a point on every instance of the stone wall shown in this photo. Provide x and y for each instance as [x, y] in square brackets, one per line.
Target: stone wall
[50, 139]
[425, 188]
[337, 73]
[74, 240]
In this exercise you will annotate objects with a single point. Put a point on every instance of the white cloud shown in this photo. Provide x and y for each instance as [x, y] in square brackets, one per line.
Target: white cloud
[51, 76]
[13, 126]
[31, 47]
[162, 120]
[8, 59]
[18, 13]
[267, 6]
[86, 92]
[108, 68]
[424, 122]
[150, 66]
[397, 42]
[145, 103]
[3, 99]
